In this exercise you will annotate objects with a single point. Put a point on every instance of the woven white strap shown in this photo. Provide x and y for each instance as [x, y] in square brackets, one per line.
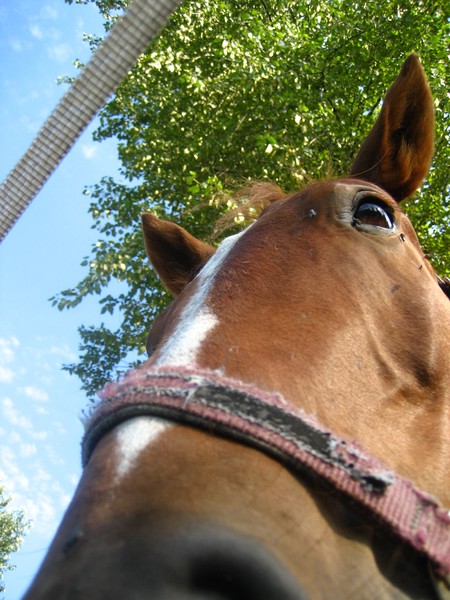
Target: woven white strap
[120, 50]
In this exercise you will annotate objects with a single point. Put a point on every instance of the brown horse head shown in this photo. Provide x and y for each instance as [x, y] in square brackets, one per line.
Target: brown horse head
[326, 301]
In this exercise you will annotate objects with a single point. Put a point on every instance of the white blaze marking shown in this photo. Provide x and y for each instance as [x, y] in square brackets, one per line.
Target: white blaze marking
[132, 438]
[196, 319]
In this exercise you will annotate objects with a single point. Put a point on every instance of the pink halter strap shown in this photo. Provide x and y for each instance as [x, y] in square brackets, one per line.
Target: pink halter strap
[207, 400]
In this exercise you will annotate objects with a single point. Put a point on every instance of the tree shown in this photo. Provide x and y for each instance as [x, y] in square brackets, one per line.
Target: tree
[12, 528]
[232, 90]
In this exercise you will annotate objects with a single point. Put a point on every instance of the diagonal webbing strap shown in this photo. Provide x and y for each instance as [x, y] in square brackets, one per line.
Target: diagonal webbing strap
[120, 50]
[266, 421]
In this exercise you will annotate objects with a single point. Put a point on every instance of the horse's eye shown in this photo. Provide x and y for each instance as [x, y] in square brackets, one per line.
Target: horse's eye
[373, 213]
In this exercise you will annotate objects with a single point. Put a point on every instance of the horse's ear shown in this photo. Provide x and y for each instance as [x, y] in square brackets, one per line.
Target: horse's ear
[174, 253]
[397, 153]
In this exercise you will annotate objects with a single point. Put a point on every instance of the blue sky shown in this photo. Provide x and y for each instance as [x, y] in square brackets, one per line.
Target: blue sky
[39, 403]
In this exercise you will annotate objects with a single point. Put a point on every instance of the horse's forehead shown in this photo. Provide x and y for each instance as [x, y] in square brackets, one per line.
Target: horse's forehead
[313, 215]
[321, 207]
[330, 199]
[337, 193]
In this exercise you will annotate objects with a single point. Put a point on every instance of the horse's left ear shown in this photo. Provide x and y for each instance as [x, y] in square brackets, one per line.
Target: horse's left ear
[175, 254]
[396, 154]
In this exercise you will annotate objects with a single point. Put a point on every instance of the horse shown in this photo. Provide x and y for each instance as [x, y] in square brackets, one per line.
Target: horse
[288, 436]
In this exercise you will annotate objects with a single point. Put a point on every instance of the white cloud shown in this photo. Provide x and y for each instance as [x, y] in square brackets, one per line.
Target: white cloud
[14, 437]
[34, 393]
[16, 44]
[7, 346]
[15, 419]
[40, 436]
[59, 427]
[29, 125]
[13, 416]
[49, 12]
[16, 482]
[36, 31]
[73, 479]
[64, 351]
[6, 374]
[60, 53]
[64, 500]
[54, 456]
[41, 475]
[7, 354]
[27, 450]
[41, 511]
[89, 150]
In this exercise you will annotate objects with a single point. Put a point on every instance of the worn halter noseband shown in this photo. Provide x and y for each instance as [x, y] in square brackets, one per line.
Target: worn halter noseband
[264, 420]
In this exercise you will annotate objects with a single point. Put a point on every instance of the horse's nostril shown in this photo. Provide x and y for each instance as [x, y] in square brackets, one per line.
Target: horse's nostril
[221, 565]
[241, 573]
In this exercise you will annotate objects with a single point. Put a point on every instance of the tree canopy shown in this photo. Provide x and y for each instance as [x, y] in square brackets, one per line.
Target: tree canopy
[232, 91]
[12, 527]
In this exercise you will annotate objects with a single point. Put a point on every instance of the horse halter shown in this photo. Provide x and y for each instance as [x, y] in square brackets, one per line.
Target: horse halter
[266, 421]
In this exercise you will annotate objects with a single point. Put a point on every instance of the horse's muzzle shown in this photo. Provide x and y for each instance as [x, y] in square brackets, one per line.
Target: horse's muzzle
[201, 563]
